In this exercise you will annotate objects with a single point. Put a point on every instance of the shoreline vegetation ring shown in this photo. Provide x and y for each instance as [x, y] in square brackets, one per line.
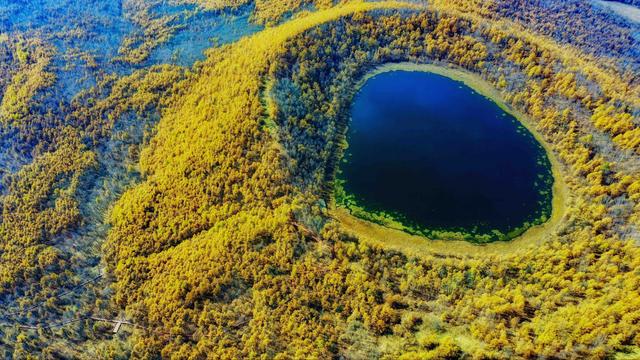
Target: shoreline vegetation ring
[418, 245]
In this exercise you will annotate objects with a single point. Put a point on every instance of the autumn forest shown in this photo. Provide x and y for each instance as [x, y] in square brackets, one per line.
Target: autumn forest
[225, 179]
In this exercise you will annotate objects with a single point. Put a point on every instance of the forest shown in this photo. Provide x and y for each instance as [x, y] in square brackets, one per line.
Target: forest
[193, 203]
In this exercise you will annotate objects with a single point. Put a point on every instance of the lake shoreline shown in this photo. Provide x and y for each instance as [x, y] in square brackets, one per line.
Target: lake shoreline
[381, 235]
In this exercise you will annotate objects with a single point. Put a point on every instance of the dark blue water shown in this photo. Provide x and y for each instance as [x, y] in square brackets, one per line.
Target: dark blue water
[438, 155]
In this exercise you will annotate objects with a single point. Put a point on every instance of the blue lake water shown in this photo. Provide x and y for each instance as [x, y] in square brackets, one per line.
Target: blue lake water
[437, 155]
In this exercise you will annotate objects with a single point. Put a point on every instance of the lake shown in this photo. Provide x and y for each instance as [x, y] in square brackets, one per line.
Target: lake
[435, 155]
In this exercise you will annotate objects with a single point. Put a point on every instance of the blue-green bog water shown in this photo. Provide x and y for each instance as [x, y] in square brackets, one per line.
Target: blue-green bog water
[438, 155]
